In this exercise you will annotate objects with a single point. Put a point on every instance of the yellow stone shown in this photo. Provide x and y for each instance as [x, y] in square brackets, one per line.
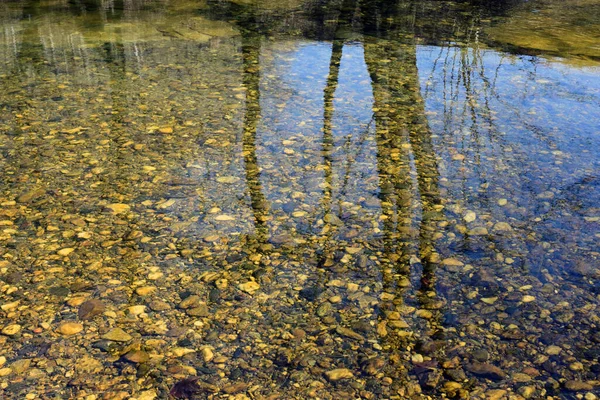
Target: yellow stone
[11, 330]
[224, 217]
[145, 290]
[249, 287]
[65, 252]
[70, 328]
[340, 373]
[118, 208]
[452, 262]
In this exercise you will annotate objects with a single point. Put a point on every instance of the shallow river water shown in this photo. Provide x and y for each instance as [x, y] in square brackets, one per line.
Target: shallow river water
[260, 199]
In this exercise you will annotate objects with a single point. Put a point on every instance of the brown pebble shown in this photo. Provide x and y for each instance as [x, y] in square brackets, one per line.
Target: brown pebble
[137, 356]
[90, 309]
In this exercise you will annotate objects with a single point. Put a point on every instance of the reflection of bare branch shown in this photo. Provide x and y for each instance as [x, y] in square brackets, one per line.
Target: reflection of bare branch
[251, 79]
[328, 111]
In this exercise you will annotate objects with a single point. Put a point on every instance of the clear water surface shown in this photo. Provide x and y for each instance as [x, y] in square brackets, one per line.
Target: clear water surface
[298, 199]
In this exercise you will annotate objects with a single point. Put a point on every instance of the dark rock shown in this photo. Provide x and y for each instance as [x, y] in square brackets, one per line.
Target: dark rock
[480, 355]
[456, 374]
[106, 345]
[512, 334]
[59, 291]
[311, 293]
[200, 311]
[233, 257]
[176, 331]
[214, 295]
[13, 278]
[373, 366]
[486, 282]
[90, 308]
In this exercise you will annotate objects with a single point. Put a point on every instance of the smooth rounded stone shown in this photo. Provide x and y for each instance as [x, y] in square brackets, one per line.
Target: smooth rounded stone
[352, 287]
[398, 324]
[31, 195]
[118, 208]
[136, 310]
[502, 202]
[527, 391]
[227, 179]
[590, 396]
[452, 262]
[339, 373]
[456, 374]
[13, 278]
[324, 309]
[224, 218]
[89, 309]
[2, 361]
[249, 287]
[166, 130]
[489, 300]
[137, 356]
[59, 291]
[158, 305]
[235, 388]
[200, 311]
[5, 371]
[65, 252]
[20, 366]
[502, 227]
[495, 394]
[155, 275]
[553, 350]
[577, 386]
[182, 351]
[76, 301]
[311, 293]
[478, 231]
[521, 377]
[451, 387]
[11, 330]
[147, 395]
[145, 290]
[117, 335]
[576, 366]
[207, 354]
[106, 346]
[417, 358]
[70, 328]
[528, 298]
[333, 219]
[211, 238]
[425, 314]
[486, 370]
[469, 216]
[480, 355]
[189, 302]
[547, 195]
[349, 333]
[335, 299]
